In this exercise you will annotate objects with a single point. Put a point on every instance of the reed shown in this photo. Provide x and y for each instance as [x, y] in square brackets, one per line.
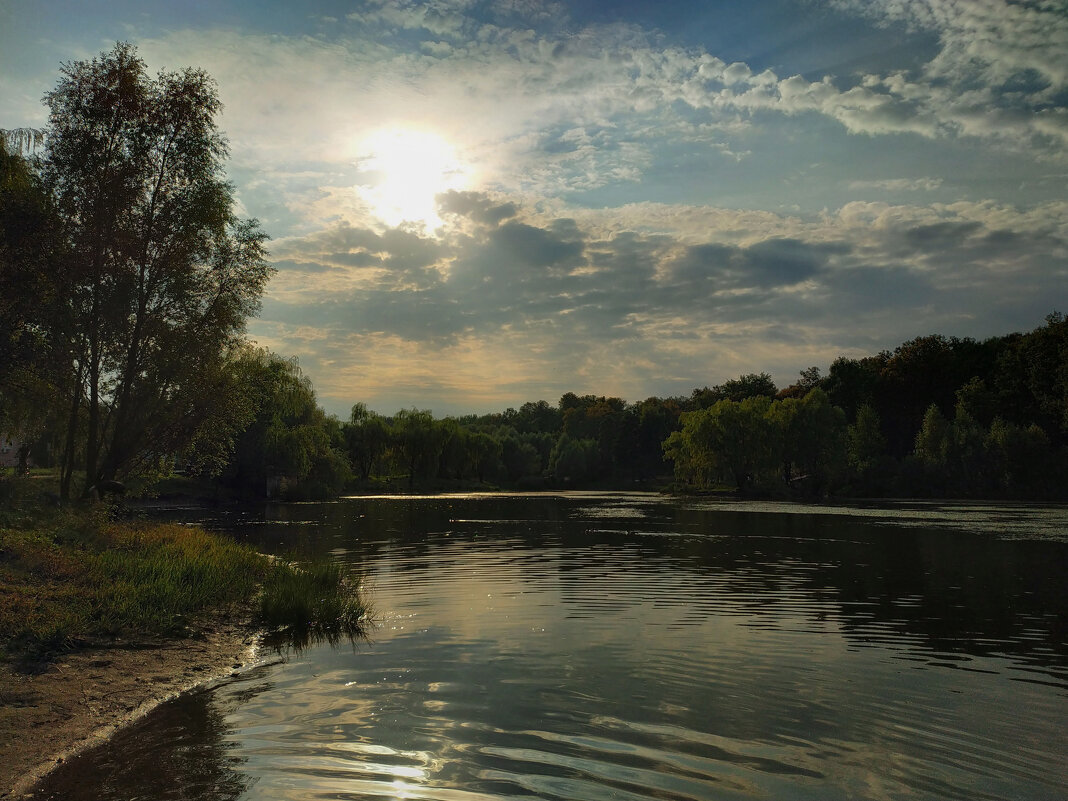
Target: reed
[318, 598]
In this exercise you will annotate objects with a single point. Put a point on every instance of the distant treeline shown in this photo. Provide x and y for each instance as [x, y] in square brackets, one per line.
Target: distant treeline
[935, 417]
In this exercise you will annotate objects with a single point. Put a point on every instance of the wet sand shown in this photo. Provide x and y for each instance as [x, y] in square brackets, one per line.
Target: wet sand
[84, 697]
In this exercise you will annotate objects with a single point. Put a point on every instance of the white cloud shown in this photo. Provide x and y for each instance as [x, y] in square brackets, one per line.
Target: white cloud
[997, 39]
[900, 184]
[540, 112]
[999, 67]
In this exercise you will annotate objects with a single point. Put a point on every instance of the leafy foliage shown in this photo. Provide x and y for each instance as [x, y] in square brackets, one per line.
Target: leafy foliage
[291, 448]
[135, 275]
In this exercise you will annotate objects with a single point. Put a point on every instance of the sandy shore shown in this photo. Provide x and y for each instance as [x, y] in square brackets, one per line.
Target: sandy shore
[82, 698]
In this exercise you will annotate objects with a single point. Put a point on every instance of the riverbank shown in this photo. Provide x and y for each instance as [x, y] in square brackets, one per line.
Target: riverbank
[81, 698]
[101, 620]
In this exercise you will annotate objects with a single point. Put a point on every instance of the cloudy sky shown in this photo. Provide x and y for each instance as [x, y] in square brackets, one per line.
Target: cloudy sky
[475, 203]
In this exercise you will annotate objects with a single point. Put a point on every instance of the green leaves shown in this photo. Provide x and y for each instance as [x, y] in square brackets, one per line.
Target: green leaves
[154, 275]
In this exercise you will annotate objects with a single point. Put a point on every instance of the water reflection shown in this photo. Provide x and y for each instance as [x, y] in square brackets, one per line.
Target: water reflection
[634, 647]
[181, 751]
[294, 642]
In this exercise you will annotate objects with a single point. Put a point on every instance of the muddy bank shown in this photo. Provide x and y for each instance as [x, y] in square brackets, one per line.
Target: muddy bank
[80, 699]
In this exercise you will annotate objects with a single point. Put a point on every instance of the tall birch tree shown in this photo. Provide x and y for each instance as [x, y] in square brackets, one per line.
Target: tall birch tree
[163, 274]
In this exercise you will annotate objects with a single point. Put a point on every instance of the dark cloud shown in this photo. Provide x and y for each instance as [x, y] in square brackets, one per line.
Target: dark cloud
[358, 258]
[766, 265]
[412, 314]
[287, 265]
[1002, 238]
[785, 262]
[864, 288]
[939, 236]
[701, 263]
[408, 258]
[476, 206]
[539, 248]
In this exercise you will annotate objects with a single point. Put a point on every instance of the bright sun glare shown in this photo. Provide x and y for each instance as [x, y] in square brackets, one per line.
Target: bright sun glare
[410, 168]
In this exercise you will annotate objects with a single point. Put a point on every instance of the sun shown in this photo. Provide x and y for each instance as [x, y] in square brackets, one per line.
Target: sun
[407, 168]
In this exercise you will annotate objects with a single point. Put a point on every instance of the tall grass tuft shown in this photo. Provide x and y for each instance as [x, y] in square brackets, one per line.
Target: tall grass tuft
[317, 599]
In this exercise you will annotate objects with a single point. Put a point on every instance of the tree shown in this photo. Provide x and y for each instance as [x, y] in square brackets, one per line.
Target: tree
[978, 401]
[852, 383]
[573, 460]
[457, 452]
[657, 419]
[1033, 378]
[750, 385]
[162, 274]
[367, 437]
[809, 380]
[965, 455]
[519, 457]
[865, 441]
[933, 438]
[734, 441]
[29, 247]
[819, 440]
[419, 440]
[486, 453]
[1021, 461]
[537, 417]
[291, 446]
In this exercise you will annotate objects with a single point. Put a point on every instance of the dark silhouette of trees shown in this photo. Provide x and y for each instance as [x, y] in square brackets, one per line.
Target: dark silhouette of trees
[418, 441]
[866, 449]
[290, 448]
[126, 277]
[31, 362]
[736, 389]
[574, 461]
[738, 442]
[367, 437]
[835, 434]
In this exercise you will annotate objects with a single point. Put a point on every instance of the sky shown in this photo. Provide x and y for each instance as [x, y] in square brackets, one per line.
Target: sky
[478, 203]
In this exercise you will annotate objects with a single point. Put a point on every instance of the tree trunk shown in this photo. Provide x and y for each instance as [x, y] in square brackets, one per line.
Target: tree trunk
[67, 467]
[92, 442]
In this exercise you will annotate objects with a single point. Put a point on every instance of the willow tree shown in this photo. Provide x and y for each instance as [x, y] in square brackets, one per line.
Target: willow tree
[163, 274]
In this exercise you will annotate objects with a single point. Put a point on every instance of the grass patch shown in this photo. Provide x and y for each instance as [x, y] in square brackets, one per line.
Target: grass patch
[317, 600]
[153, 577]
[60, 586]
[70, 575]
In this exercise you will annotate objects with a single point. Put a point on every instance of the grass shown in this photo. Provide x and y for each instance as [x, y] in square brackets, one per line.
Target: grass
[71, 576]
[316, 600]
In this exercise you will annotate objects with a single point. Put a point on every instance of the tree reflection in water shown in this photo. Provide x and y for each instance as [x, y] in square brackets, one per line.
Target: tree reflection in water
[181, 751]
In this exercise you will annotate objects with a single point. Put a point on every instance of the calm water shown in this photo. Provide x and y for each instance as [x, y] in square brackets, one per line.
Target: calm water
[595, 647]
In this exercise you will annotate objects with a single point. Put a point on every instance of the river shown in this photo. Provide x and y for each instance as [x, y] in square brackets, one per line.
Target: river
[628, 646]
